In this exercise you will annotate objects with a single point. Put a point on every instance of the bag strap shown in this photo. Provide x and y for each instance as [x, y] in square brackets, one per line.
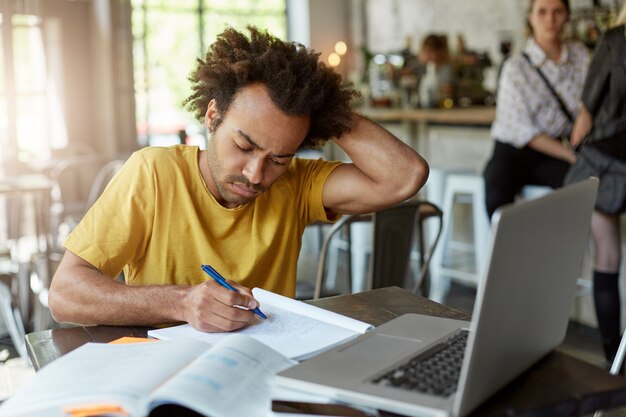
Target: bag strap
[565, 110]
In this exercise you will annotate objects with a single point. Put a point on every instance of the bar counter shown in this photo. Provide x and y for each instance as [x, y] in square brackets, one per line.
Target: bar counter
[472, 116]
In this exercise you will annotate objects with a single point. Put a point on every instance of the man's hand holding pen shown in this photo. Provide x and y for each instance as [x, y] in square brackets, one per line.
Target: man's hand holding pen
[217, 277]
[210, 307]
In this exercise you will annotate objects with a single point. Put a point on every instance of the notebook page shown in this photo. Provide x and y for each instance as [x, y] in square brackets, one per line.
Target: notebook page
[290, 328]
[101, 373]
[267, 297]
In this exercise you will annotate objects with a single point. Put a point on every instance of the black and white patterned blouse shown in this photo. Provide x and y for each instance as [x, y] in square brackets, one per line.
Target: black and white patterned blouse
[525, 105]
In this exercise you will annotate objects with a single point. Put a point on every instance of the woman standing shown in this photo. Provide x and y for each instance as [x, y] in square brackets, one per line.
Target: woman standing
[530, 119]
[601, 127]
[434, 55]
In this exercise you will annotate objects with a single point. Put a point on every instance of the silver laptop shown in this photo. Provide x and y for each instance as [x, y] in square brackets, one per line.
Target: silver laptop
[521, 312]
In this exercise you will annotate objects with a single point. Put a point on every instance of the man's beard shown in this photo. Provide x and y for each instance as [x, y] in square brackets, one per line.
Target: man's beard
[216, 169]
[236, 198]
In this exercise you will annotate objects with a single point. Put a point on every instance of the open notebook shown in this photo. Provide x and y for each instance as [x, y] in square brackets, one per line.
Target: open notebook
[293, 328]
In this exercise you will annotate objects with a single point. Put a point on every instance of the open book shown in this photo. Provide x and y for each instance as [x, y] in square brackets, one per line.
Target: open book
[153, 379]
[293, 328]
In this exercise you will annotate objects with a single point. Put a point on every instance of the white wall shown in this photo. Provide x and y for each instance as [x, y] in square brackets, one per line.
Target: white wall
[319, 24]
[329, 24]
[479, 21]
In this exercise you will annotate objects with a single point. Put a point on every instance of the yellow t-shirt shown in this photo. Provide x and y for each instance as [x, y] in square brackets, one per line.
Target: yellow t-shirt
[158, 222]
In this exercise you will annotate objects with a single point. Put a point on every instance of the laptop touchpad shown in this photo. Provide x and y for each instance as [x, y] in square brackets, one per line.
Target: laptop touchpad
[378, 344]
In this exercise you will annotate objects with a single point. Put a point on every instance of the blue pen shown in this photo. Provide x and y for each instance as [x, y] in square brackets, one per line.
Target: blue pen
[220, 280]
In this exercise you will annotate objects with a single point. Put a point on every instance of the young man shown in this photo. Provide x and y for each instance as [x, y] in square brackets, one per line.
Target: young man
[241, 205]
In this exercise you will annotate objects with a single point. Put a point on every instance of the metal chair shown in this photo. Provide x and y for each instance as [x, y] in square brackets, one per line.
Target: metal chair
[79, 181]
[13, 320]
[398, 234]
[23, 201]
[104, 176]
[72, 178]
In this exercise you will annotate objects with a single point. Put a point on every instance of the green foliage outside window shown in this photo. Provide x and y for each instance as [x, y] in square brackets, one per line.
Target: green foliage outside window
[169, 36]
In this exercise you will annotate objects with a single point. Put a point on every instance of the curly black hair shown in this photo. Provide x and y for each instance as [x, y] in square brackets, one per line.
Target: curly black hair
[298, 82]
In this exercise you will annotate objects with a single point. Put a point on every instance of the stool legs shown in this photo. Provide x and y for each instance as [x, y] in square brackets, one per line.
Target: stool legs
[455, 185]
[481, 232]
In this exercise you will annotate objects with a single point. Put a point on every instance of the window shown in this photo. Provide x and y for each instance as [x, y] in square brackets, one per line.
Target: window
[31, 117]
[32, 120]
[169, 36]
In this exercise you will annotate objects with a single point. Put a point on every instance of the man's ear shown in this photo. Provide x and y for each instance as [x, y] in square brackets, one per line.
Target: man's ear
[211, 116]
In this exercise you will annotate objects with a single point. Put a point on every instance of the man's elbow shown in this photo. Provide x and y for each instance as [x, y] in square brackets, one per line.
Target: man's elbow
[420, 175]
[59, 302]
[56, 305]
[70, 298]
[413, 178]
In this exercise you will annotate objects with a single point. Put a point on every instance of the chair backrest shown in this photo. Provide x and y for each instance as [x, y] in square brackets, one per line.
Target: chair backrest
[339, 230]
[397, 231]
[394, 230]
[103, 177]
[77, 182]
[11, 216]
[73, 179]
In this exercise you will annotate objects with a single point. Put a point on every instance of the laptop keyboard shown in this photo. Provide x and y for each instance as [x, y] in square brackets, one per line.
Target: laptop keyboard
[435, 372]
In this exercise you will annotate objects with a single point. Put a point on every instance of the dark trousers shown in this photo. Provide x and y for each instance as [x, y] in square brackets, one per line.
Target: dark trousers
[510, 169]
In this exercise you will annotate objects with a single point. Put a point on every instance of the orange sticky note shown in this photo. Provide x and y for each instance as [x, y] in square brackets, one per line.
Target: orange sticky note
[95, 410]
[129, 339]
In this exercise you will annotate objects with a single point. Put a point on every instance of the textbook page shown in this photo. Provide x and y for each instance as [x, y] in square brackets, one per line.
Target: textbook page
[133, 379]
[232, 379]
[99, 373]
[293, 328]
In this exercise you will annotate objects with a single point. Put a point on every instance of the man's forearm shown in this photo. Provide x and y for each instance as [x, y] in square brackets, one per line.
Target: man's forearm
[83, 295]
[391, 170]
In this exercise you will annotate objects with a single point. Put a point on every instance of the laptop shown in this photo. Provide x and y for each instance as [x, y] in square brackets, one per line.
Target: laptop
[520, 314]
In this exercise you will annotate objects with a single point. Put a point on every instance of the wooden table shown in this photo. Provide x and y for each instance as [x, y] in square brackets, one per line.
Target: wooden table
[557, 386]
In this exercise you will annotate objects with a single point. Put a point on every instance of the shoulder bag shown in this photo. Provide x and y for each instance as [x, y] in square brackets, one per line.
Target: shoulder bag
[564, 108]
[591, 162]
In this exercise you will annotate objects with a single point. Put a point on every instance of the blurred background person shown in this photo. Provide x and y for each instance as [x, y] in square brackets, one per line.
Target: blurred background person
[437, 83]
[600, 129]
[529, 118]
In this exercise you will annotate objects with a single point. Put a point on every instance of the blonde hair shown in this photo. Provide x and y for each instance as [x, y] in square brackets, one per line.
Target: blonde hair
[621, 17]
